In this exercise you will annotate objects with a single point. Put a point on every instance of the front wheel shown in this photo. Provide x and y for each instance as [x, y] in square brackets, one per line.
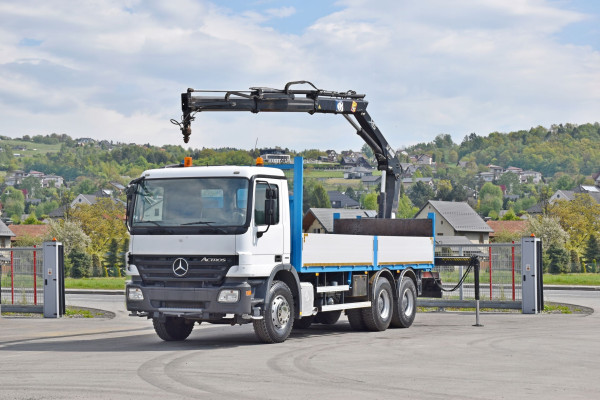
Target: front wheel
[173, 328]
[278, 319]
[405, 308]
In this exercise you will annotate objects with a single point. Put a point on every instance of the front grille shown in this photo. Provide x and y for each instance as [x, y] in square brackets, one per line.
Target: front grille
[178, 304]
[203, 271]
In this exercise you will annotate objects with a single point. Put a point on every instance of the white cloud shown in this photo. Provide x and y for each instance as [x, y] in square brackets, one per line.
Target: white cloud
[115, 69]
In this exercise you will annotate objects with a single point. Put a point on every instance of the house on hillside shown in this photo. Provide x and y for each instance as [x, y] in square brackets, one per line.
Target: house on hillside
[410, 181]
[340, 200]
[5, 234]
[357, 172]
[371, 181]
[320, 220]
[457, 219]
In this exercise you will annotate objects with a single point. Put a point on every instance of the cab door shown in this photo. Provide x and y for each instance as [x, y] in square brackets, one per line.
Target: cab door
[268, 232]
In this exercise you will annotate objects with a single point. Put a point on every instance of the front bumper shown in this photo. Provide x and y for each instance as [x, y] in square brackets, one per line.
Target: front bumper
[197, 303]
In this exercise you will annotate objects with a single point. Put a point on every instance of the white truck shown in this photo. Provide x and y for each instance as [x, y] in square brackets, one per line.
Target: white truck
[224, 244]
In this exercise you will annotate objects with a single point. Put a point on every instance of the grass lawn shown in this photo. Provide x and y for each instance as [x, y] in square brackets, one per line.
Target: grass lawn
[95, 283]
[549, 279]
[588, 279]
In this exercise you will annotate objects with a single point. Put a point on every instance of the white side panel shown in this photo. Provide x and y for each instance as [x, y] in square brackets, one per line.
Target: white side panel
[404, 250]
[318, 249]
[181, 245]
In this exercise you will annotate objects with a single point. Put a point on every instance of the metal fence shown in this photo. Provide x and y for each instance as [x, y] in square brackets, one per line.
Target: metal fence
[22, 276]
[500, 274]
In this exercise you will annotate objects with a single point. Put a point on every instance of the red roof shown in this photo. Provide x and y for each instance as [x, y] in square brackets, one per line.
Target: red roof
[507, 226]
[29, 230]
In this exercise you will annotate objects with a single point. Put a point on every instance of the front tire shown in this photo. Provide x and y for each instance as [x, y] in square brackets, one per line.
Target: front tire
[405, 308]
[278, 319]
[379, 316]
[173, 328]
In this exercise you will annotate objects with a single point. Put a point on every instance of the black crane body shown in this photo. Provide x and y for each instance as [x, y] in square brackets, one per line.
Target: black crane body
[350, 104]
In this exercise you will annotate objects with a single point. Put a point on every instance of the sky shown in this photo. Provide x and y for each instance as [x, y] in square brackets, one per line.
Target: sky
[115, 69]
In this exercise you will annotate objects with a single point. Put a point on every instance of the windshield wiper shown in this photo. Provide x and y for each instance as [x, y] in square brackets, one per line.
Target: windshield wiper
[148, 222]
[209, 223]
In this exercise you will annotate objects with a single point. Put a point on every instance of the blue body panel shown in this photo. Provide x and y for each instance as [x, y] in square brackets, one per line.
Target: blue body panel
[296, 215]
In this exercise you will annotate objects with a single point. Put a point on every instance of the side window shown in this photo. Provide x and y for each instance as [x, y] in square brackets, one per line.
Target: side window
[259, 203]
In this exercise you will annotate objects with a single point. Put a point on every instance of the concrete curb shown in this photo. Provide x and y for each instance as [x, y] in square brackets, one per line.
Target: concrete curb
[570, 287]
[95, 291]
[122, 292]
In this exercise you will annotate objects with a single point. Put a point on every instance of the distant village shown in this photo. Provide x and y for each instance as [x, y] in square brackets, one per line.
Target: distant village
[355, 166]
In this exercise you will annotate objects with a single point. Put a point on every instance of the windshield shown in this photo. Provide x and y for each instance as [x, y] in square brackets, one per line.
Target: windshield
[207, 204]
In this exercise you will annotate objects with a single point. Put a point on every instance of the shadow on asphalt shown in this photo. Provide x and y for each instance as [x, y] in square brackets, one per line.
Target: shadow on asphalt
[209, 338]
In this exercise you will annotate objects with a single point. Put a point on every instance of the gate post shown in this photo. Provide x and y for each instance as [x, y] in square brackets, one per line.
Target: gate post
[54, 284]
[532, 285]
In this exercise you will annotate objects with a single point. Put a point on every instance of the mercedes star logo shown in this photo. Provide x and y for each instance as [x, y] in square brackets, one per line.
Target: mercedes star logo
[180, 267]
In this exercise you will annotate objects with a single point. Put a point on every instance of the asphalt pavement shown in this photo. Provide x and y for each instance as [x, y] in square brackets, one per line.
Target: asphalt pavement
[442, 356]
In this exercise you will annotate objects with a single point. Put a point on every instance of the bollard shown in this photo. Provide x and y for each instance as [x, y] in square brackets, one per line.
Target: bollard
[475, 261]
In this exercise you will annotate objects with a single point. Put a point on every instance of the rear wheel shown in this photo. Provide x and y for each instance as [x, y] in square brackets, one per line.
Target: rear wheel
[328, 317]
[405, 308]
[379, 315]
[173, 328]
[278, 319]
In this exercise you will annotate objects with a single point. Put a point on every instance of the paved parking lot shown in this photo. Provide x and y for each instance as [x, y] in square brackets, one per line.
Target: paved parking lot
[442, 356]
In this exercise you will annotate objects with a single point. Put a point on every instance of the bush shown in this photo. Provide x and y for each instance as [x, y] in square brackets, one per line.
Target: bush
[80, 264]
[559, 260]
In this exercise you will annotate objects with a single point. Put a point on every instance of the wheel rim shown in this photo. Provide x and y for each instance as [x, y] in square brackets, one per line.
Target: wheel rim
[384, 304]
[408, 304]
[280, 312]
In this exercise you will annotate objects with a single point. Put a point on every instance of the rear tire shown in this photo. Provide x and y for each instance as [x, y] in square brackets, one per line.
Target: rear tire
[278, 319]
[405, 307]
[379, 316]
[173, 328]
[328, 317]
[356, 319]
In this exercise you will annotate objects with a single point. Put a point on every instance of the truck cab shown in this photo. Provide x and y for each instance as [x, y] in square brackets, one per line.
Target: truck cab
[203, 239]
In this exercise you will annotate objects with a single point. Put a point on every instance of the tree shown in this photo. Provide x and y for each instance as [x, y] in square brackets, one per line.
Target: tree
[510, 216]
[559, 259]
[113, 260]
[490, 199]
[315, 195]
[579, 217]
[549, 230]
[102, 222]
[406, 208]
[592, 250]
[370, 201]
[351, 193]
[444, 190]
[367, 151]
[321, 197]
[80, 264]
[32, 185]
[13, 202]
[420, 193]
[69, 233]
[510, 181]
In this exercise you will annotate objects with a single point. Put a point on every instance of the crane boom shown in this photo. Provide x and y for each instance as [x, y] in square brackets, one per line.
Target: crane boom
[350, 104]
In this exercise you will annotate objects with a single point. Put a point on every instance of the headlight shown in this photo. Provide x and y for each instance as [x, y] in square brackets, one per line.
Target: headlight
[135, 294]
[229, 296]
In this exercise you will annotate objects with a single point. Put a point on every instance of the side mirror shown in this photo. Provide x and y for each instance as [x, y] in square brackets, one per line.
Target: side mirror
[271, 197]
